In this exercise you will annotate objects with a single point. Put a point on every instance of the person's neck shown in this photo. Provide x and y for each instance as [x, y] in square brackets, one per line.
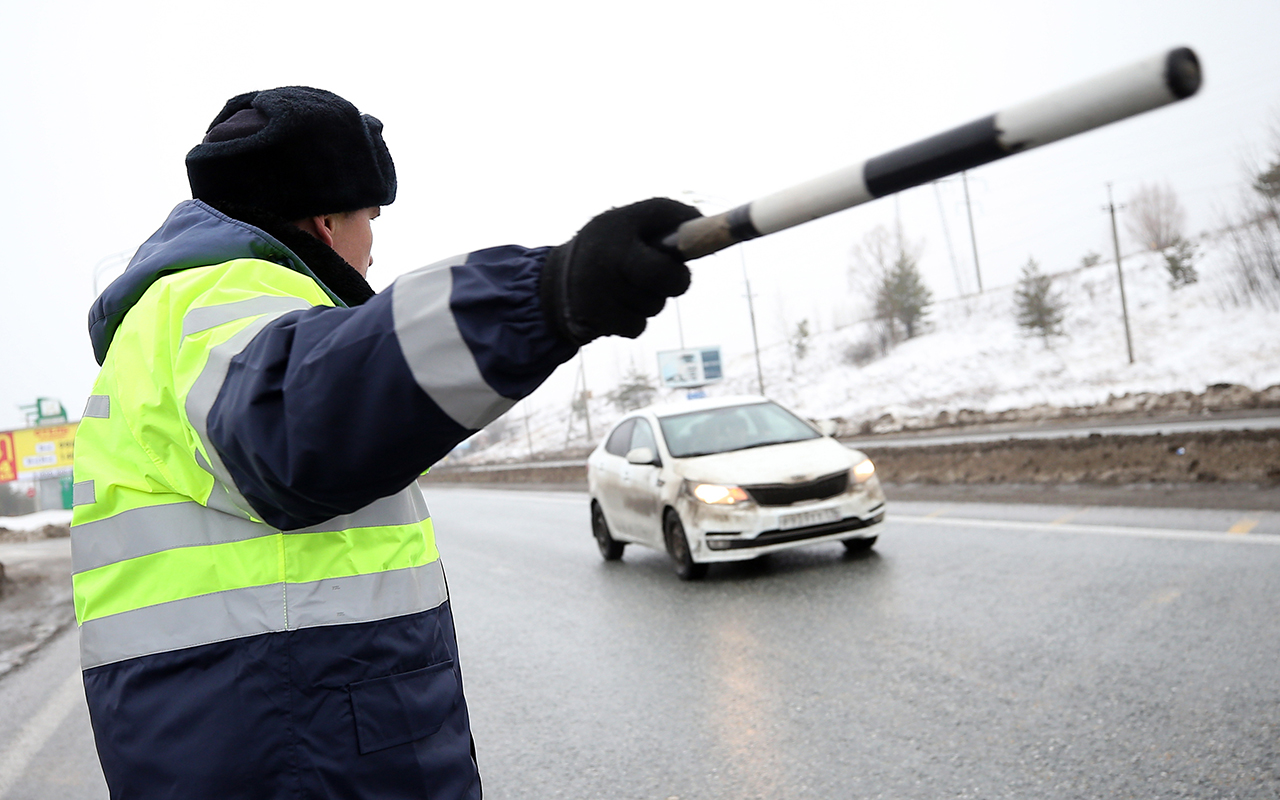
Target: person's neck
[336, 274]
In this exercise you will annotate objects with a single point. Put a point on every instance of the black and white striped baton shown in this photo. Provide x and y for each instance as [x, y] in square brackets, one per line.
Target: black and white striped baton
[1148, 84]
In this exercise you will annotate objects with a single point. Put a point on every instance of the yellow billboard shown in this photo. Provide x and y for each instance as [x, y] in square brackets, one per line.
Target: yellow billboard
[34, 453]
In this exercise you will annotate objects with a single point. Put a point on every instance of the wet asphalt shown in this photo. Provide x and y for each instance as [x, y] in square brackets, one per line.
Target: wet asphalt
[957, 660]
[993, 652]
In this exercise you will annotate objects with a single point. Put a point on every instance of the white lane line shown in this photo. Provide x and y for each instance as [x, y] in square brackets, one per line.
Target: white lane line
[17, 756]
[1100, 530]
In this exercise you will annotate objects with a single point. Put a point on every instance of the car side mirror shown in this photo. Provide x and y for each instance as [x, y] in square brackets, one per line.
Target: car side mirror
[643, 455]
[828, 427]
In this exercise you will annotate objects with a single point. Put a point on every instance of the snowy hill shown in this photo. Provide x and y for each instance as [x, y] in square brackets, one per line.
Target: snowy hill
[973, 355]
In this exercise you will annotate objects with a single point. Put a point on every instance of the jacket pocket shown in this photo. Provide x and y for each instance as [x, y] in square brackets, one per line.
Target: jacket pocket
[403, 708]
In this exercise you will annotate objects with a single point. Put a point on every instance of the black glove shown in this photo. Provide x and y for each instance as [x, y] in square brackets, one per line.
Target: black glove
[616, 272]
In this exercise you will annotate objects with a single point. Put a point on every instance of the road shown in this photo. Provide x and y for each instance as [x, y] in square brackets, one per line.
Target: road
[981, 651]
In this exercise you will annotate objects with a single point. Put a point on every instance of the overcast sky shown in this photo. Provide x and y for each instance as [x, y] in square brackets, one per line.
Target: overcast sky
[516, 122]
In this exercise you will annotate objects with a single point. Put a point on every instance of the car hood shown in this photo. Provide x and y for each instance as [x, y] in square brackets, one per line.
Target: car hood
[793, 462]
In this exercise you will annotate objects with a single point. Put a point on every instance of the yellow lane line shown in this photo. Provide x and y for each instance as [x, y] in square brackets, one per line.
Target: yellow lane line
[1244, 525]
[1068, 517]
[1103, 530]
[933, 514]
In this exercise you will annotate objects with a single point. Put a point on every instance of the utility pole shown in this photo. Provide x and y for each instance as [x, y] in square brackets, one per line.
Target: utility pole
[751, 309]
[579, 395]
[586, 395]
[946, 234]
[1115, 240]
[973, 237]
[528, 435]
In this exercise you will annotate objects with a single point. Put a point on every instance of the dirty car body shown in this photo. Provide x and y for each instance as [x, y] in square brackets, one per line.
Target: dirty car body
[728, 479]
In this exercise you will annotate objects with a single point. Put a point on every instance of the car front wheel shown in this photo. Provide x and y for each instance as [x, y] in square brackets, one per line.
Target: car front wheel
[678, 546]
[610, 548]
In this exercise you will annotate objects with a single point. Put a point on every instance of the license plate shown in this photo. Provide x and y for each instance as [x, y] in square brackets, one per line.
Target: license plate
[807, 518]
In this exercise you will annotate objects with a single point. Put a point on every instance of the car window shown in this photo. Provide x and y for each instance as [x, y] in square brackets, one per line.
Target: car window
[720, 430]
[642, 436]
[620, 440]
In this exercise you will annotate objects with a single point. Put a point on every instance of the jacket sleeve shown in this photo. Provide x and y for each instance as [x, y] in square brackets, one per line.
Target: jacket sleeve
[325, 410]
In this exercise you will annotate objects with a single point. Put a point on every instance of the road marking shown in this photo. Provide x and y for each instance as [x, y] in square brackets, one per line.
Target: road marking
[33, 736]
[1244, 525]
[933, 514]
[1065, 518]
[1101, 530]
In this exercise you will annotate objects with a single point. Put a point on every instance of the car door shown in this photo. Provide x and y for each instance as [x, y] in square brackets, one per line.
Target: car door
[609, 469]
[642, 488]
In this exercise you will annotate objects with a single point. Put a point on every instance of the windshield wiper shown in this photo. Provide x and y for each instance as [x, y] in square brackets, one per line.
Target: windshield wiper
[766, 444]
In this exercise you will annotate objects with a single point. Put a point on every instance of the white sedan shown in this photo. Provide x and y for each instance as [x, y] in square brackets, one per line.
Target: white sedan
[727, 479]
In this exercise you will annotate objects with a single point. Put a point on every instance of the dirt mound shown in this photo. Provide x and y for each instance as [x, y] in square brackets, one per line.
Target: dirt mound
[1217, 398]
[46, 532]
[1251, 457]
[35, 603]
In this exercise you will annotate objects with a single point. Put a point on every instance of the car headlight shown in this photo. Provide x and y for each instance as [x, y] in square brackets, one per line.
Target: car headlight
[862, 471]
[717, 495]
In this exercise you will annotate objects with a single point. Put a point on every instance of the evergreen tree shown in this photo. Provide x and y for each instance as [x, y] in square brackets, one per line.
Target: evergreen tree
[635, 391]
[1040, 310]
[1267, 182]
[800, 340]
[1180, 261]
[901, 296]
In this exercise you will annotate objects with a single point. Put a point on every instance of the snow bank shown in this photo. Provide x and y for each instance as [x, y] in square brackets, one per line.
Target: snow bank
[972, 355]
[36, 521]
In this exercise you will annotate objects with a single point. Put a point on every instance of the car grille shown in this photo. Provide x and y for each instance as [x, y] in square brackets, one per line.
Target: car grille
[813, 532]
[784, 494]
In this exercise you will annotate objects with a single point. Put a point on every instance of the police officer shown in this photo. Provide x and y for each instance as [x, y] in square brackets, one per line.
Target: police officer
[262, 608]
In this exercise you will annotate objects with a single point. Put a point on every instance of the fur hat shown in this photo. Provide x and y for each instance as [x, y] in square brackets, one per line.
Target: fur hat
[294, 152]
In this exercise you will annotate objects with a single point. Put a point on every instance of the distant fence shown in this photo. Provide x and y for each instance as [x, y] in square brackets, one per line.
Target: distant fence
[562, 472]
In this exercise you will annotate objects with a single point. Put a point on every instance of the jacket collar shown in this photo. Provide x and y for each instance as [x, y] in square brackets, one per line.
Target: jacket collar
[194, 235]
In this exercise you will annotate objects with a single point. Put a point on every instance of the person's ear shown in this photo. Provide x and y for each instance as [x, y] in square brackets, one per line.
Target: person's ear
[319, 226]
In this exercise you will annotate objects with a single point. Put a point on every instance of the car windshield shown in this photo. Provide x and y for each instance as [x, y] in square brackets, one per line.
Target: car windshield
[720, 430]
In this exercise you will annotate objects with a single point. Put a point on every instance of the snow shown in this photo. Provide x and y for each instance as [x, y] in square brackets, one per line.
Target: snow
[36, 521]
[972, 355]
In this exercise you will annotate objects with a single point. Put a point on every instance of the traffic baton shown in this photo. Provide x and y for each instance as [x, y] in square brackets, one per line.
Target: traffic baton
[1157, 81]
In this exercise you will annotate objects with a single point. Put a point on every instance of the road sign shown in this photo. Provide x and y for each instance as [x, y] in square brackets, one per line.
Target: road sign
[36, 453]
[689, 369]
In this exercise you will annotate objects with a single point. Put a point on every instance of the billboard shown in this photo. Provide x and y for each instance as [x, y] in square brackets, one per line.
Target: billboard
[680, 369]
[36, 453]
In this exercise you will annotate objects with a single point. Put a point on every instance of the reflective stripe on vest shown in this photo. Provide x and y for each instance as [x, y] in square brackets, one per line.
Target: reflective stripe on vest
[166, 552]
[253, 610]
[205, 390]
[440, 359]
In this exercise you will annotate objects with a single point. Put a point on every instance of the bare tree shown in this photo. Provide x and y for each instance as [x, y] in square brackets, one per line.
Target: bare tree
[1254, 237]
[1155, 218]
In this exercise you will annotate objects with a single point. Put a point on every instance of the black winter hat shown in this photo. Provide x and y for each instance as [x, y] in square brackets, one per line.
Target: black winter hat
[295, 152]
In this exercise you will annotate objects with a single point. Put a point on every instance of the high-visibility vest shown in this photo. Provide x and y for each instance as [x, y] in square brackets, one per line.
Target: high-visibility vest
[166, 552]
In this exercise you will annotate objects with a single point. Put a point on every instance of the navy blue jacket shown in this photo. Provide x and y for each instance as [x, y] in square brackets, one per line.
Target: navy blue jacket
[325, 411]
